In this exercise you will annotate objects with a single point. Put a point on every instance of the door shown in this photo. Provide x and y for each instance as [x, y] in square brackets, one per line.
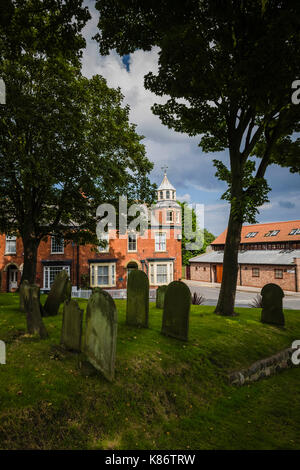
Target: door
[12, 279]
[219, 272]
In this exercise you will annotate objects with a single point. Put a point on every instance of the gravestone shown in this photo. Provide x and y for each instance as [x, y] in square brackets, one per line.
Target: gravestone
[71, 326]
[60, 291]
[137, 305]
[101, 333]
[34, 320]
[160, 296]
[23, 294]
[176, 312]
[272, 311]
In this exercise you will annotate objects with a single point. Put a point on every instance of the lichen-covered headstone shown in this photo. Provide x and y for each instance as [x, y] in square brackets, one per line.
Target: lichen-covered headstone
[71, 326]
[35, 323]
[272, 311]
[137, 305]
[160, 296]
[101, 333]
[60, 290]
[23, 294]
[176, 312]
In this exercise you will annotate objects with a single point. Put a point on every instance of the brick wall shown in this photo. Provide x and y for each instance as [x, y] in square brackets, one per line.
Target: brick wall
[297, 263]
[246, 275]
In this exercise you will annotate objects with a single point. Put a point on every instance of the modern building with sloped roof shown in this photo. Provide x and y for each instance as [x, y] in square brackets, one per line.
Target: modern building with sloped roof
[267, 253]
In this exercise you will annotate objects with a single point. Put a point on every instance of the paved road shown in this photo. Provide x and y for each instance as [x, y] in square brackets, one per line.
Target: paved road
[243, 299]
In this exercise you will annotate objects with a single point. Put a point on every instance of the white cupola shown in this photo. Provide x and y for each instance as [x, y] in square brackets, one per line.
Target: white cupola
[166, 191]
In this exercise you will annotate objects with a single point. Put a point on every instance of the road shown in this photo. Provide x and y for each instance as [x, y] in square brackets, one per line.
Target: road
[243, 299]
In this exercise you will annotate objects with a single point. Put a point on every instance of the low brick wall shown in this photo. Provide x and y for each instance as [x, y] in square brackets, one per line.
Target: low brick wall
[263, 368]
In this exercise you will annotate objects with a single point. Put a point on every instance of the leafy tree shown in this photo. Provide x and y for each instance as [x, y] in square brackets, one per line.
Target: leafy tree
[66, 146]
[227, 67]
[205, 236]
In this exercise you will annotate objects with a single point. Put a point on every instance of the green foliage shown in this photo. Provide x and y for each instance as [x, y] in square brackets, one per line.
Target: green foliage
[66, 144]
[203, 236]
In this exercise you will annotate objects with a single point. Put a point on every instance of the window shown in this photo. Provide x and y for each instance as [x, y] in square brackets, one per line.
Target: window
[103, 275]
[167, 194]
[255, 272]
[295, 231]
[132, 242]
[251, 234]
[50, 273]
[161, 194]
[178, 217]
[104, 237]
[272, 233]
[57, 244]
[160, 241]
[278, 273]
[10, 245]
[169, 216]
[161, 273]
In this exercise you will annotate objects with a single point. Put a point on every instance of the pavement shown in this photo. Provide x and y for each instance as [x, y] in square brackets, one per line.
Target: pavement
[244, 294]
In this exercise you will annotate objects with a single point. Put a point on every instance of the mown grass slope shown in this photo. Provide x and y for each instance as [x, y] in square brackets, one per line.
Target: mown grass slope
[167, 394]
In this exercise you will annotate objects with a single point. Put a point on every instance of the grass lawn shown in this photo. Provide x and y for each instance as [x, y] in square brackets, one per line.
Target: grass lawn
[167, 394]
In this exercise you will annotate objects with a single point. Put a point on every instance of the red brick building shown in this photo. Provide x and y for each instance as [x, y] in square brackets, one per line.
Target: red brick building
[159, 255]
[267, 253]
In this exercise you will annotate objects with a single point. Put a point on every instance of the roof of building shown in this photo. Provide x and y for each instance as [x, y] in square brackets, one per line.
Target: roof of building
[278, 257]
[165, 184]
[271, 232]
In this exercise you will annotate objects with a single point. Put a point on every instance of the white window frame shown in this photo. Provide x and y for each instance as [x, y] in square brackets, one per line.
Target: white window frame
[8, 240]
[128, 242]
[46, 274]
[53, 242]
[101, 249]
[153, 276]
[170, 219]
[111, 274]
[157, 244]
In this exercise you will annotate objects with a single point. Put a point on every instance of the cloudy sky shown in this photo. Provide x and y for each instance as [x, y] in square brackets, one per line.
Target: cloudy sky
[189, 169]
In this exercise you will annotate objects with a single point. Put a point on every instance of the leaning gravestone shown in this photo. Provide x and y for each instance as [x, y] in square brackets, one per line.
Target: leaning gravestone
[35, 323]
[60, 291]
[71, 326]
[160, 296]
[101, 333]
[272, 311]
[176, 312]
[137, 305]
[23, 294]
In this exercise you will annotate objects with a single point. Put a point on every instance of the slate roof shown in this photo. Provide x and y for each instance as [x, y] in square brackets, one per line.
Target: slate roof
[276, 257]
[283, 235]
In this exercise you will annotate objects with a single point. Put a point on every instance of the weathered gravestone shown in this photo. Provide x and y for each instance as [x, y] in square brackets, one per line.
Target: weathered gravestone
[137, 305]
[176, 312]
[160, 296]
[35, 323]
[60, 291]
[101, 333]
[71, 326]
[23, 294]
[272, 311]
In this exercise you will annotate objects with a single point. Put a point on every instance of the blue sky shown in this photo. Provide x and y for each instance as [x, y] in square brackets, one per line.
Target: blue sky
[189, 169]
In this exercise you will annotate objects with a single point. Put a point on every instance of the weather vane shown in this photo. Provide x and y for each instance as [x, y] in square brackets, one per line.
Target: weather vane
[165, 169]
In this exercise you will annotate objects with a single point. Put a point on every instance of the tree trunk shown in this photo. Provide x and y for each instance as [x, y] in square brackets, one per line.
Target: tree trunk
[226, 299]
[30, 244]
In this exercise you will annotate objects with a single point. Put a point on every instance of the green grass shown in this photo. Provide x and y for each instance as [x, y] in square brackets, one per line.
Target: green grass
[167, 394]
